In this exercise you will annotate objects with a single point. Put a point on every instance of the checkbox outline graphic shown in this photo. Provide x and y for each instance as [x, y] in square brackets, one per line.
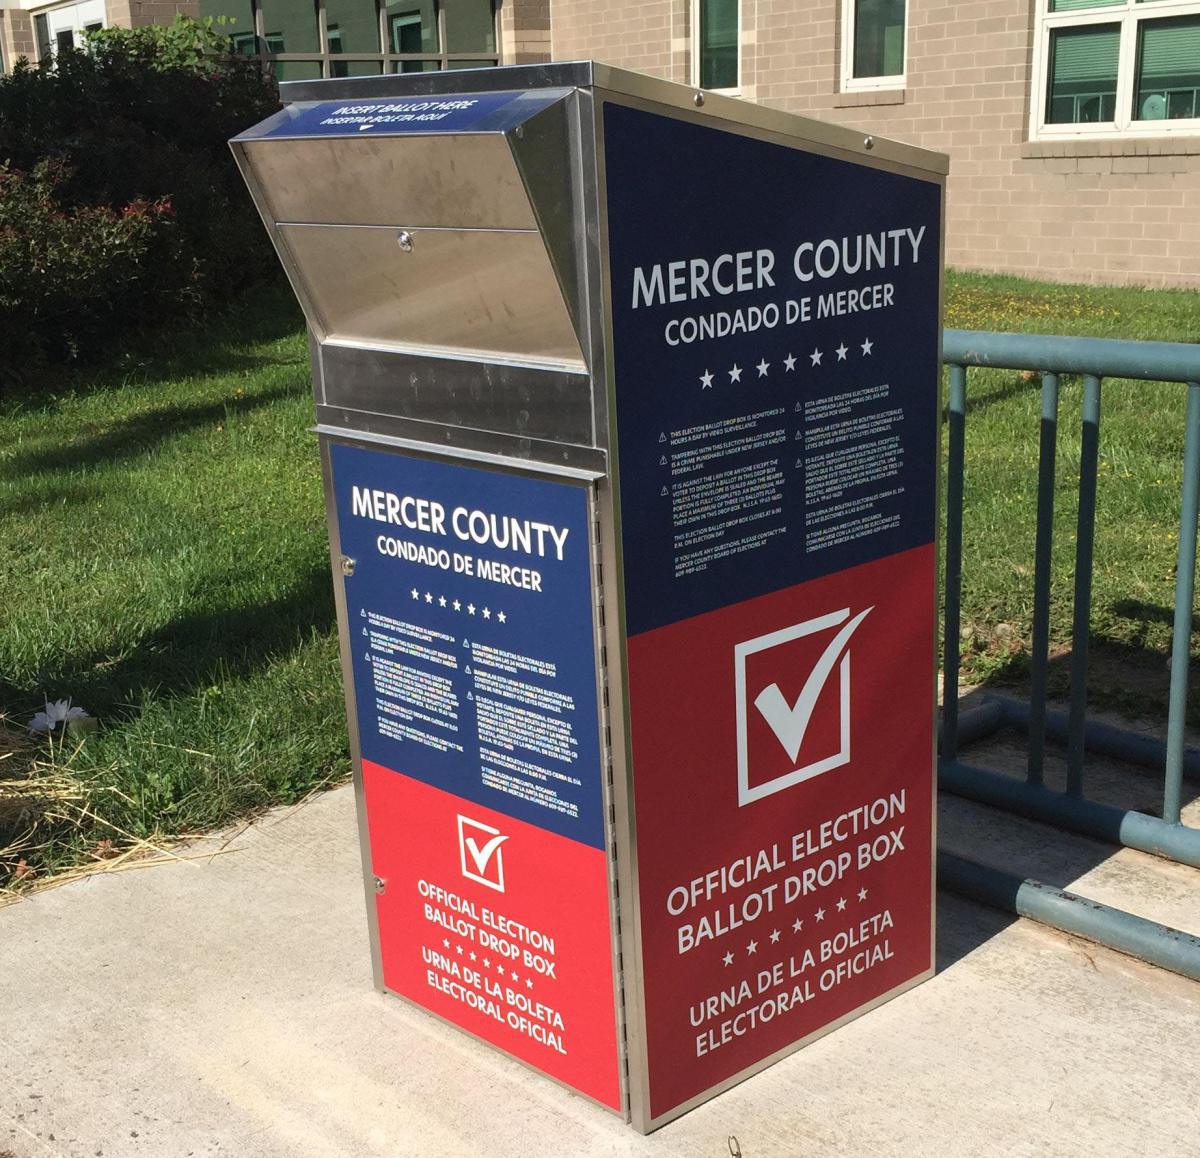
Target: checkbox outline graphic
[491, 850]
[840, 646]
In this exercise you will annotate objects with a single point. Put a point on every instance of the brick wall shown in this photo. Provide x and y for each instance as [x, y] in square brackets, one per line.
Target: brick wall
[1119, 212]
[651, 36]
[524, 31]
[137, 13]
[16, 34]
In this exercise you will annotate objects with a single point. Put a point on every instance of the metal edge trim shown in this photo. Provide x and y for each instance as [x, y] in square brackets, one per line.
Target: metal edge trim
[618, 663]
[561, 74]
[938, 567]
[603, 716]
[827, 144]
[748, 114]
[360, 798]
[569, 367]
[458, 454]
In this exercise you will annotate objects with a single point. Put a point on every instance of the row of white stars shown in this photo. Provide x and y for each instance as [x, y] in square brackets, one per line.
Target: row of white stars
[457, 605]
[797, 925]
[789, 363]
[511, 974]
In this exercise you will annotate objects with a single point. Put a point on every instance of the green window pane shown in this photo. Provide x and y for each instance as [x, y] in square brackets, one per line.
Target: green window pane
[293, 23]
[470, 26]
[297, 70]
[237, 21]
[1075, 5]
[41, 28]
[1083, 74]
[415, 66]
[718, 42]
[352, 25]
[354, 67]
[1168, 70]
[412, 27]
[878, 38]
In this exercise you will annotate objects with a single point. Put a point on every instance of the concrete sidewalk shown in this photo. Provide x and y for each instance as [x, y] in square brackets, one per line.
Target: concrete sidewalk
[225, 1006]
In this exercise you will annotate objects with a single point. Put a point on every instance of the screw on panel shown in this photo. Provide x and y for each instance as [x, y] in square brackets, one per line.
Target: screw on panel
[520, 132]
[404, 240]
[380, 884]
[869, 143]
[347, 565]
[698, 99]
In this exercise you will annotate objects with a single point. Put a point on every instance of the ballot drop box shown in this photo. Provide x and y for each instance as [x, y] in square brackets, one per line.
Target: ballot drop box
[628, 400]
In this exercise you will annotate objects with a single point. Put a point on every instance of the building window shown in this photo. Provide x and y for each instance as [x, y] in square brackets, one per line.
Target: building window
[303, 39]
[61, 29]
[873, 44]
[1116, 68]
[716, 45]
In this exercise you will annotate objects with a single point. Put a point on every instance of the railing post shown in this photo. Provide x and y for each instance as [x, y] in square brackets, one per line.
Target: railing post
[1041, 578]
[951, 648]
[1085, 537]
[1185, 588]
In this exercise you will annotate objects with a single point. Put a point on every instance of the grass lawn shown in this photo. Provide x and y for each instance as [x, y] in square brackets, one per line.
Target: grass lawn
[165, 564]
[1141, 455]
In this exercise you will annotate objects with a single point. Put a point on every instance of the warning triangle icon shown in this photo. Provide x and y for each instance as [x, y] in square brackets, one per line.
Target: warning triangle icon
[662, 461]
[662, 437]
[663, 491]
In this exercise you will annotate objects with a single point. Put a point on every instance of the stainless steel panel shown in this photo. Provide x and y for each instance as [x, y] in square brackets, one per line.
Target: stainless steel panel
[501, 461]
[464, 442]
[465, 182]
[485, 293]
[545, 157]
[460, 392]
[572, 74]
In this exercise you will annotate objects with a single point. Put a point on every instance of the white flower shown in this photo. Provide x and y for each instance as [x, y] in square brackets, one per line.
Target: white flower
[57, 712]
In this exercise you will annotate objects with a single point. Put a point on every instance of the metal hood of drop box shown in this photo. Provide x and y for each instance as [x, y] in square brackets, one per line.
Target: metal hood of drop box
[439, 258]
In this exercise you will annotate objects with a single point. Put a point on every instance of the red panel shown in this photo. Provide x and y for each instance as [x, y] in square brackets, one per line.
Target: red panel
[525, 960]
[737, 887]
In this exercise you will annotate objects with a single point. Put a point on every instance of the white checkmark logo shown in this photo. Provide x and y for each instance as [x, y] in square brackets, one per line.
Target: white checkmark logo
[479, 853]
[791, 723]
[481, 856]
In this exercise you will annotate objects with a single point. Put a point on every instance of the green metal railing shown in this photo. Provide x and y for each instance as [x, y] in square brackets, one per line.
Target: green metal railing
[1165, 835]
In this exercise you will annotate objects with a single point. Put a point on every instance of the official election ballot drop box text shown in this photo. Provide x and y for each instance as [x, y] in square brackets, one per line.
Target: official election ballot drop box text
[627, 398]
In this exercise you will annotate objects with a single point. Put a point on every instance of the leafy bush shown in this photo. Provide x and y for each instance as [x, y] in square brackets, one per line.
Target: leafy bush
[116, 159]
[65, 273]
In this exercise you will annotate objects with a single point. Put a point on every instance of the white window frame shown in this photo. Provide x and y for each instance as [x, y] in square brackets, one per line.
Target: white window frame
[72, 18]
[737, 88]
[1129, 15]
[851, 83]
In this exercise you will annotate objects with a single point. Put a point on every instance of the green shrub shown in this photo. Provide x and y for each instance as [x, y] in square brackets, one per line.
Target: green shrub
[67, 274]
[124, 142]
